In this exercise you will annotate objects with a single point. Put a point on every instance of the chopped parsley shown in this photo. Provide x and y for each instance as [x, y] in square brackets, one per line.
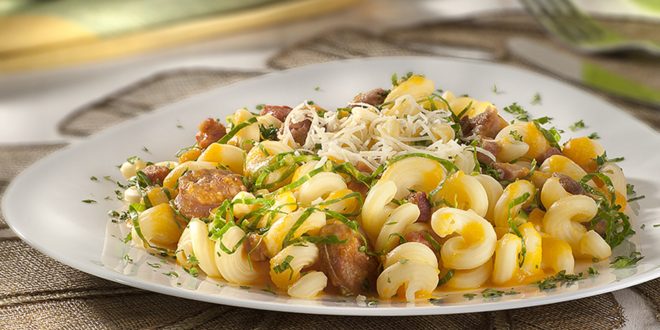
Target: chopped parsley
[469, 296]
[396, 80]
[559, 279]
[516, 136]
[285, 265]
[268, 132]
[128, 237]
[592, 271]
[603, 159]
[330, 239]
[171, 274]
[146, 150]
[153, 264]
[436, 301]
[513, 227]
[594, 136]
[492, 293]
[626, 262]
[536, 99]
[496, 90]
[317, 88]
[578, 125]
[518, 111]
[446, 277]
[93, 178]
[88, 201]
[552, 134]
[128, 258]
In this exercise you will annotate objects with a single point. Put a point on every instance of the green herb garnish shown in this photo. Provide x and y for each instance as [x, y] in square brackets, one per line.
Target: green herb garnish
[469, 296]
[626, 262]
[578, 125]
[88, 201]
[559, 279]
[518, 111]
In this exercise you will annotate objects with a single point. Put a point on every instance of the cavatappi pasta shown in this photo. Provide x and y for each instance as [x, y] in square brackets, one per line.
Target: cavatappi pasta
[401, 193]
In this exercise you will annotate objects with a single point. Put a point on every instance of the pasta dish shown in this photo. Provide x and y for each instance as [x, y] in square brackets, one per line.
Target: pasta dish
[402, 192]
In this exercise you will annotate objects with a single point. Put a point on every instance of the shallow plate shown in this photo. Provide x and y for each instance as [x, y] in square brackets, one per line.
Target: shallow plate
[43, 204]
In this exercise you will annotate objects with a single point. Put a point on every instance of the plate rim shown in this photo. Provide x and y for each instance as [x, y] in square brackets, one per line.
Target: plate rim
[486, 306]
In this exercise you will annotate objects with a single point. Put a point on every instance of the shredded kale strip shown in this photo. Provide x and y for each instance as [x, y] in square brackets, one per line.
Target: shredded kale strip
[236, 129]
[514, 227]
[617, 223]
[134, 210]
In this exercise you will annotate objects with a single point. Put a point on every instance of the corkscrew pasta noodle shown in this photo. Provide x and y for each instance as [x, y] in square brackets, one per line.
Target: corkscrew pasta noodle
[404, 191]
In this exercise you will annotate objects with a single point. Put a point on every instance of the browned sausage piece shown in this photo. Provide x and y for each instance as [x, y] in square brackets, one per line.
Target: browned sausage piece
[419, 198]
[210, 131]
[571, 186]
[510, 172]
[156, 173]
[299, 130]
[492, 147]
[255, 249]
[550, 152]
[374, 97]
[201, 191]
[486, 124]
[347, 267]
[358, 186]
[600, 227]
[419, 237]
[278, 111]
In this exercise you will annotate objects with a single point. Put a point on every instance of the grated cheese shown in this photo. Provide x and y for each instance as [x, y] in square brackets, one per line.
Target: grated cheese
[370, 136]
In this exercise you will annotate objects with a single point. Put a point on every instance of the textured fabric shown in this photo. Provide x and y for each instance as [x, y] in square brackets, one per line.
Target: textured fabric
[38, 292]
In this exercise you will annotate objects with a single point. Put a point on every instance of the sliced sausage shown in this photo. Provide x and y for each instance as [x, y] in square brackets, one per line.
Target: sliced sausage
[600, 227]
[510, 172]
[358, 186]
[347, 268]
[374, 97]
[492, 147]
[362, 167]
[200, 191]
[486, 124]
[419, 198]
[299, 130]
[156, 173]
[419, 237]
[210, 131]
[254, 247]
[550, 152]
[278, 111]
[571, 186]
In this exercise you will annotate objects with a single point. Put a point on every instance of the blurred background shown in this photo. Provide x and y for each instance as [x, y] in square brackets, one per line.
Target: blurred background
[69, 68]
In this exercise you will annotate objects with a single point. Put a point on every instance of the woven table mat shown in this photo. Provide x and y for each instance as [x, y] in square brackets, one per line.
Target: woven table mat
[38, 292]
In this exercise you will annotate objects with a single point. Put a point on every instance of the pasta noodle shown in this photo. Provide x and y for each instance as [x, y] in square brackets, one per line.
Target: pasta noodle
[402, 192]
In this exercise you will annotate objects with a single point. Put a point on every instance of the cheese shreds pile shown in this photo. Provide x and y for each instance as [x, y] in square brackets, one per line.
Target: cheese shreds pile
[371, 136]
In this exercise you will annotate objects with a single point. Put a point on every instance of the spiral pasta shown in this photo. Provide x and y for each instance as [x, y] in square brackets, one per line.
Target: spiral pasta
[285, 266]
[402, 192]
[464, 192]
[412, 266]
[474, 246]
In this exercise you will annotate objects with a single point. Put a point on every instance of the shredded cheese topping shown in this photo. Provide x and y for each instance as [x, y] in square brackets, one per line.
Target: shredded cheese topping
[370, 136]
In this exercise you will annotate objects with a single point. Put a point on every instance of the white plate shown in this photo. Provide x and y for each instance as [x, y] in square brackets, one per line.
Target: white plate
[43, 204]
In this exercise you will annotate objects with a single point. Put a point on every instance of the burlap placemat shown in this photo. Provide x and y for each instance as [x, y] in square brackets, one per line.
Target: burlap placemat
[38, 292]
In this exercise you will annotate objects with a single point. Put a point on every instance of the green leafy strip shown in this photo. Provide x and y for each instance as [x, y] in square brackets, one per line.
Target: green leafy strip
[559, 279]
[617, 223]
[236, 129]
[514, 227]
